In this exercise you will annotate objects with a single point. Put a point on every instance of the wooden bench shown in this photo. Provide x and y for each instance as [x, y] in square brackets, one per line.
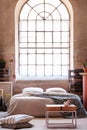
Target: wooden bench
[61, 108]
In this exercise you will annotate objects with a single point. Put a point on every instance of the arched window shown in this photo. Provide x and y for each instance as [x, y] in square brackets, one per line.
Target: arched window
[43, 39]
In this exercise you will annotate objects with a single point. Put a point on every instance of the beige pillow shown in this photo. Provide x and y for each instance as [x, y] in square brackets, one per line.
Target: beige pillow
[32, 90]
[15, 119]
[56, 90]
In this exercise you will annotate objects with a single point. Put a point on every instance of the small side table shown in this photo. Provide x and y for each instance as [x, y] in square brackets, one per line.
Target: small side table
[61, 108]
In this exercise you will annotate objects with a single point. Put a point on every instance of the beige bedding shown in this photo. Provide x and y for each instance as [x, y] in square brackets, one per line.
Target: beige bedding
[23, 104]
[34, 104]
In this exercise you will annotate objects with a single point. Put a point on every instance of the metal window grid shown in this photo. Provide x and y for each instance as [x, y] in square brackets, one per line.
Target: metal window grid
[31, 41]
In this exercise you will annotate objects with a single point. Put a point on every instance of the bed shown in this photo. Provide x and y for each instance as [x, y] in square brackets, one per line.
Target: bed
[33, 103]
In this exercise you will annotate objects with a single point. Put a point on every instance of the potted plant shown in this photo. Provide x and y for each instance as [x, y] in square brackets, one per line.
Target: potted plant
[2, 63]
[85, 66]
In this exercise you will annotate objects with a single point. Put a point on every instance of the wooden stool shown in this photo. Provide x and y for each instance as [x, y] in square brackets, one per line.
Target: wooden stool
[61, 108]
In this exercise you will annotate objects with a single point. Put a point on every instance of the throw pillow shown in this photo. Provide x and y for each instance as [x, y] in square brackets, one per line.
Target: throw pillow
[16, 119]
[17, 126]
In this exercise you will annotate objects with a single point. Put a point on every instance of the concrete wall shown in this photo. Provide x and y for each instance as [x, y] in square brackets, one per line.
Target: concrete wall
[7, 39]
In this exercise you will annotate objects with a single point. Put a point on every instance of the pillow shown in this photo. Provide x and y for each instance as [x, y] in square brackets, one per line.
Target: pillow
[31, 90]
[17, 126]
[16, 119]
[58, 90]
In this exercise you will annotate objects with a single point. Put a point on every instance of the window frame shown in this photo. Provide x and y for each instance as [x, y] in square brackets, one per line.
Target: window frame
[19, 77]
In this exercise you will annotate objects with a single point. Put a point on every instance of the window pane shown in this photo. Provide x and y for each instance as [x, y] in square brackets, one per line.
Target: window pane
[23, 70]
[65, 59]
[40, 70]
[48, 70]
[56, 59]
[48, 59]
[40, 26]
[40, 44]
[31, 36]
[40, 59]
[56, 70]
[31, 51]
[48, 37]
[31, 70]
[65, 37]
[56, 37]
[23, 59]
[31, 25]
[40, 36]
[57, 44]
[48, 26]
[65, 51]
[23, 26]
[22, 45]
[23, 37]
[41, 51]
[31, 59]
[56, 51]
[23, 51]
[49, 45]
[57, 25]
[30, 45]
[65, 25]
[64, 70]
[65, 44]
[48, 51]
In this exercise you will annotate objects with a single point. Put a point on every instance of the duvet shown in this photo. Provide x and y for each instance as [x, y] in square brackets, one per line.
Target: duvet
[34, 104]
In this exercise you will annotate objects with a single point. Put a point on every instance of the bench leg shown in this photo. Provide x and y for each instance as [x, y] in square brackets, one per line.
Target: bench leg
[74, 119]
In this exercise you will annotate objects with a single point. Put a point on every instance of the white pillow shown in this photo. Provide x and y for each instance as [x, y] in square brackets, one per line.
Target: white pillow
[31, 90]
[58, 90]
[15, 119]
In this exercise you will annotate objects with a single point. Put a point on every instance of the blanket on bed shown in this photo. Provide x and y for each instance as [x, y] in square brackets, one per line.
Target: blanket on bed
[34, 104]
[61, 98]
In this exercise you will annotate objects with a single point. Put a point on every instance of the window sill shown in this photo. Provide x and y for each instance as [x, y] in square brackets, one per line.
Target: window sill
[42, 78]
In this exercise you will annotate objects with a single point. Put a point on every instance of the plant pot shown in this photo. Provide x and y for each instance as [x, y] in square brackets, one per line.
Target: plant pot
[85, 70]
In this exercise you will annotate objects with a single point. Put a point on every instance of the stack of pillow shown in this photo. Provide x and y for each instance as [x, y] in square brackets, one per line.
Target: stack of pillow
[16, 121]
